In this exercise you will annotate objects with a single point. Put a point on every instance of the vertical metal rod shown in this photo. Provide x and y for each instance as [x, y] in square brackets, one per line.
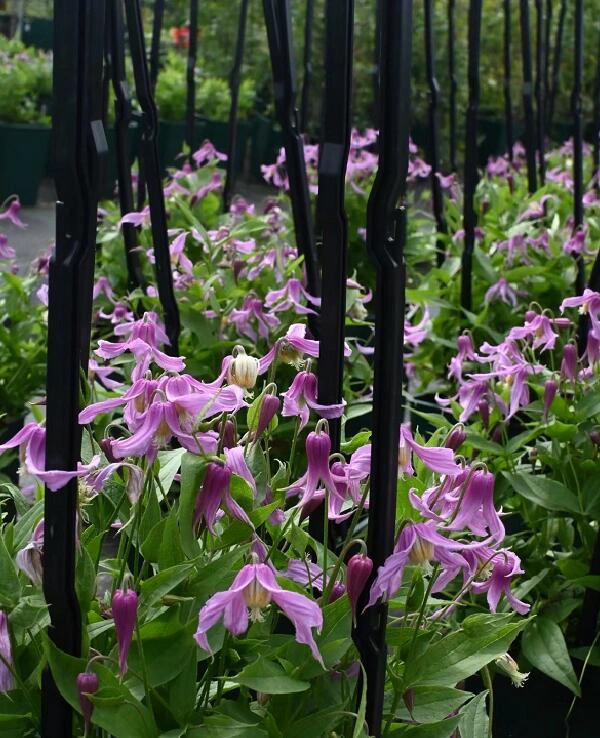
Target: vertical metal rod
[122, 122]
[540, 95]
[332, 219]
[556, 60]
[234, 87]
[453, 83]
[157, 20]
[508, 113]
[190, 116]
[434, 134]
[547, 57]
[577, 112]
[530, 139]
[279, 34]
[307, 65]
[149, 157]
[470, 176]
[80, 146]
[386, 235]
[596, 151]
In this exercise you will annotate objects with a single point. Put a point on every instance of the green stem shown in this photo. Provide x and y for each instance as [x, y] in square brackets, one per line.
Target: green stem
[143, 665]
[487, 682]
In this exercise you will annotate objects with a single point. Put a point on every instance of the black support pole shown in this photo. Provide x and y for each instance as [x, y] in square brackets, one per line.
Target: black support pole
[434, 134]
[122, 122]
[157, 21]
[151, 166]
[596, 150]
[453, 83]
[279, 34]
[80, 147]
[307, 65]
[234, 88]
[470, 177]
[556, 60]
[576, 108]
[386, 234]
[530, 138]
[508, 113]
[548, 56]
[540, 94]
[190, 105]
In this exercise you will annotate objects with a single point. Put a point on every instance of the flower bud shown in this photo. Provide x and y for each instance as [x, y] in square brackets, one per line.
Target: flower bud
[124, 611]
[269, 408]
[7, 680]
[358, 572]
[530, 315]
[484, 413]
[87, 683]
[337, 591]
[106, 446]
[243, 369]
[465, 345]
[455, 438]
[229, 439]
[568, 366]
[550, 388]
[507, 665]
[595, 438]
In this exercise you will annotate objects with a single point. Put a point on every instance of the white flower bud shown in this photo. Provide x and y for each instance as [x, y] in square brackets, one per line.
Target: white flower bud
[243, 369]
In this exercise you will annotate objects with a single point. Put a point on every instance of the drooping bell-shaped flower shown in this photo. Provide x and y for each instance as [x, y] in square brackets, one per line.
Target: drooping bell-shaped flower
[550, 388]
[455, 438]
[243, 369]
[7, 680]
[568, 365]
[440, 460]
[500, 569]
[269, 407]
[87, 683]
[215, 492]
[124, 611]
[302, 396]
[29, 558]
[318, 449]
[507, 665]
[253, 589]
[358, 571]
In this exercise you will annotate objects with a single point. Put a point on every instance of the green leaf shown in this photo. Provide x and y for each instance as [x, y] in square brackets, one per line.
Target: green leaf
[474, 721]
[192, 469]
[358, 440]
[460, 654]
[268, 677]
[359, 725]
[441, 729]
[547, 493]
[162, 583]
[10, 587]
[170, 463]
[433, 703]
[543, 644]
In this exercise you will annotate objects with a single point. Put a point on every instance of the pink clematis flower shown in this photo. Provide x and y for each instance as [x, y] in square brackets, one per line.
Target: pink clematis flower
[12, 214]
[301, 397]
[143, 339]
[29, 558]
[575, 244]
[214, 183]
[318, 449]
[103, 374]
[588, 304]
[501, 290]
[7, 680]
[536, 209]
[500, 568]
[310, 574]
[6, 251]
[539, 328]
[252, 590]
[466, 352]
[141, 219]
[252, 310]
[216, 491]
[440, 460]
[288, 298]
[32, 442]
[418, 543]
[292, 347]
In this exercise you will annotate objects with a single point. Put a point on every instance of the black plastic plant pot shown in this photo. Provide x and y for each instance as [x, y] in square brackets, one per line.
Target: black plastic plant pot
[24, 152]
[38, 32]
[265, 144]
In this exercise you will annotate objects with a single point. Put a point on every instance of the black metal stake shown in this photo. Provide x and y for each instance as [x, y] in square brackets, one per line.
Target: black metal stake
[596, 150]
[80, 147]
[279, 34]
[470, 177]
[547, 56]
[556, 60]
[577, 112]
[386, 234]
[530, 139]
[376, 56]
[307, 65]
[453, 83]
[234, 88]
[434, 135]
[122, 122]
[157, 20]
[540, 94]
[190, 106]
[149, 156]
[508, 113]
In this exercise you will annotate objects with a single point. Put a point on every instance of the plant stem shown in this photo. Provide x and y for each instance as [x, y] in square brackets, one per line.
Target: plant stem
[487, 681]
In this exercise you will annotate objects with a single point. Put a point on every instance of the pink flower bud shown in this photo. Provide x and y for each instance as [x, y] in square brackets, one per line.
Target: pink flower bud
[550, 388]
[595, 438]
[568, 367]
[484, 412]
[268, 410]
[124, 611]
[106, 446]
[530, 315]
[455, 438]
[357, 574]
[229, 439]
[87, 683]
[337, 591]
